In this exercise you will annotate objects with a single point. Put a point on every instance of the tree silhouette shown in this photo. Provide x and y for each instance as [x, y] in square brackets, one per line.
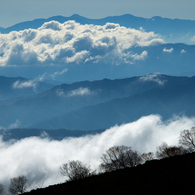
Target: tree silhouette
[75, 170]
[148, 156]
[18, 185]
[164, 151]
[2, 189]
[118, 157]
[187, 139]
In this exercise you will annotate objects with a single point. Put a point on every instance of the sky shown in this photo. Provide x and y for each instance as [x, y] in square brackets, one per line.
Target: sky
[12, 11]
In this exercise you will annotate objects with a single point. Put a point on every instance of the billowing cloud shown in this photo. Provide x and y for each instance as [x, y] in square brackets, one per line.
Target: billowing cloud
[153, 77]
[142, 56]
[71, 42]
[40, 158]
[25, 84]
[168, 50]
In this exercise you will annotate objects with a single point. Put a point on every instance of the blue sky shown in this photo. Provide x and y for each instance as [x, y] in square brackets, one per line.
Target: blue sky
[12, 11]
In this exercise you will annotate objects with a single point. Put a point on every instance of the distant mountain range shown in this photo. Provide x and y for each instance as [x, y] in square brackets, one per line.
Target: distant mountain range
[101, 104]
[172, 30]
[65, 98]
[175, 97]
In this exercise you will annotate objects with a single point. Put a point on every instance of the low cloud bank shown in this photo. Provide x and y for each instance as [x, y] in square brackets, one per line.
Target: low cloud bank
[71, 42]
[40, 158]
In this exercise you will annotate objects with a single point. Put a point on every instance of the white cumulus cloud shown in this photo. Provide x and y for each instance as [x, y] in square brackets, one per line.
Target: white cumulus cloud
[168, 50]
[40, 158]
[71, 42]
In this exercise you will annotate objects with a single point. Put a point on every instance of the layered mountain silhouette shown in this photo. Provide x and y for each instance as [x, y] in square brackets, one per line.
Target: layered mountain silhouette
[66, 98]
[174, 97]
[101, 104]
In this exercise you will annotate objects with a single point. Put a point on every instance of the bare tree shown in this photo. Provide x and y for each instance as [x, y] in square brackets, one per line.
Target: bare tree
[118, 157]
[18, 185]
[148, 156]
[76, 170]
[187, 138]
[164, 151]
[2, 189]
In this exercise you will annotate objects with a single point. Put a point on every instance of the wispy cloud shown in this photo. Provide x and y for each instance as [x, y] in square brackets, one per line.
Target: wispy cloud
[60, 92]
[71, 42]
[48, 155]
[77, 92]
[25, 84]
[80, 92]
[168, 50]
[154, 78]
[14, 125]
[183, 51]
[55, 74]
[193, 38]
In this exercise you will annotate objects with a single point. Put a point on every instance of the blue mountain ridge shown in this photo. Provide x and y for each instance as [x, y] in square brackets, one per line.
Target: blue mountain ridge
[175, 97]
[100, 104]
[173, 30]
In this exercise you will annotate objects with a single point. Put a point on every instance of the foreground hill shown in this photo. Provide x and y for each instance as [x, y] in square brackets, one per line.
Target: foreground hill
[167, 176]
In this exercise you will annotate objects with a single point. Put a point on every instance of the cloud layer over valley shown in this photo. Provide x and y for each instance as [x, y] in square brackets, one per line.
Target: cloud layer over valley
[71, 42]
[40, 158]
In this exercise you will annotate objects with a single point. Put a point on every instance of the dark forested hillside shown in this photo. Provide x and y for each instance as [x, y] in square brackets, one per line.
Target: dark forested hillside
[172, 175]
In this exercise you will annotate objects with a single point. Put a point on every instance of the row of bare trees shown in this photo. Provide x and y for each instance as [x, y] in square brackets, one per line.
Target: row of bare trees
[119, 157]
